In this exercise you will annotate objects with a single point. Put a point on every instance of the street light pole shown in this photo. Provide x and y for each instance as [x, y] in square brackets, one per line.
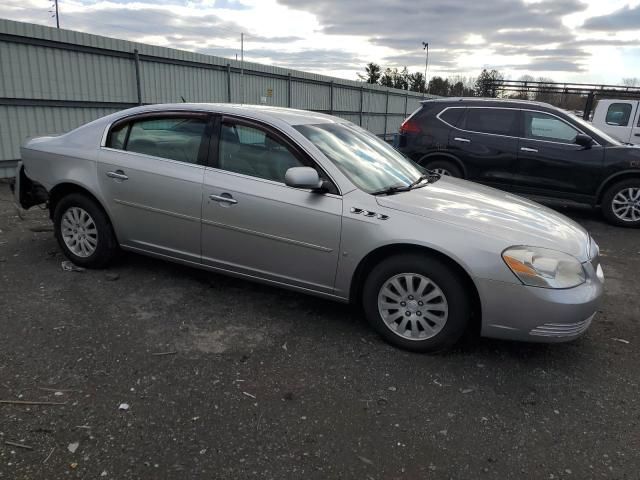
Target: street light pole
[425, 46]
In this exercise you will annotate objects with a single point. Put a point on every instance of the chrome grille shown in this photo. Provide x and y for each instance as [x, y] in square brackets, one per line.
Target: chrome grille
[561, 329]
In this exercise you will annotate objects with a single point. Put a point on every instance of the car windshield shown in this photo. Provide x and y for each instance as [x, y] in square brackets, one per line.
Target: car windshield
[369, 162]
[592, 129]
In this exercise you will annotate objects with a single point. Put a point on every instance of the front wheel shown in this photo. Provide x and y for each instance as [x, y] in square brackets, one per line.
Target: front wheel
[443, 167]
[417, 302]
[621, 203]
[84, 232]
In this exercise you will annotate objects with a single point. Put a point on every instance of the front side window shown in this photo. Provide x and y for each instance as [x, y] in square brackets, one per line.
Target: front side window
[619, 114]
[497, 121]
[175, 138]
[370, 163]
[541, 126]
[252, 151]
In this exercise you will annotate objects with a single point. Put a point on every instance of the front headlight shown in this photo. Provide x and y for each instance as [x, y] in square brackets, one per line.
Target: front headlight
[541, 267]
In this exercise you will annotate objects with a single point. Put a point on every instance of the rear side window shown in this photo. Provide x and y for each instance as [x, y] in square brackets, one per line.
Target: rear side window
[172, 137]
[452, 115]
[498, 121]
[619, 114]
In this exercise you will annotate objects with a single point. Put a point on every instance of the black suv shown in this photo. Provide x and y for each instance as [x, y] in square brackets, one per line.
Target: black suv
[526, 147]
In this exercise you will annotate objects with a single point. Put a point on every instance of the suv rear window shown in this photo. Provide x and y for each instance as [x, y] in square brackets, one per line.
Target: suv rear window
[452, 115]
[499, 121]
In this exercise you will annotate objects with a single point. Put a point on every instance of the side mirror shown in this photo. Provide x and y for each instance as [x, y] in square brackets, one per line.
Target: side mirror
[302, 177]
[584, 140]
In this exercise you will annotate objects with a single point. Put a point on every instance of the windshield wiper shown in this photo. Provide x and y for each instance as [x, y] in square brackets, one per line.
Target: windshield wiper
[392, 189]
[425, 176]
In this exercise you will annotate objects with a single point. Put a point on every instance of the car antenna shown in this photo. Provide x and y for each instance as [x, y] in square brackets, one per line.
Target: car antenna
[183, 100]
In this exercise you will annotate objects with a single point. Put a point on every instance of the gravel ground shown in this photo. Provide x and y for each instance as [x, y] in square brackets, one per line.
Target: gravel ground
[228, 379]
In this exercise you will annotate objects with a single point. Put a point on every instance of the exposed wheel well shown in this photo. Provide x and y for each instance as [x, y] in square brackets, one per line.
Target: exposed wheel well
[434, 157]
[373, 258]
[612, 181]
[63, 189]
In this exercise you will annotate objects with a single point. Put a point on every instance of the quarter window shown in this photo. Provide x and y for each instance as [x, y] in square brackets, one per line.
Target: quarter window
[540, 126]
[452, 116]
[498, 121]
[252, 151]
[619, 114]
[175, 138]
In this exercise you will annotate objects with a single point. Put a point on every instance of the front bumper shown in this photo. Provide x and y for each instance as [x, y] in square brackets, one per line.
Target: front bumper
[517, 312]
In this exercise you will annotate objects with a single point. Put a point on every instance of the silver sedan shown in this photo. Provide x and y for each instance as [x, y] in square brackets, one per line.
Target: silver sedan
[314, 203]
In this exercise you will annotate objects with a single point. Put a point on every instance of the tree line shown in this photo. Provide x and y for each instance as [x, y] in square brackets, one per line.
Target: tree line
[486, 84]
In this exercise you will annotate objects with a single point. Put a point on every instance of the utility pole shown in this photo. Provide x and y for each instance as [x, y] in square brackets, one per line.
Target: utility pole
[242, 66]
[55, 13]
[425, 46]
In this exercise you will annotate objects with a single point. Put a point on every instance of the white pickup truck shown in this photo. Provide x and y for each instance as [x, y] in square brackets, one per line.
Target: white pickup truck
[619, 118]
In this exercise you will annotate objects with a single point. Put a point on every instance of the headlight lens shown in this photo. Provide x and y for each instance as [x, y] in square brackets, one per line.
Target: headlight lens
[541, 267]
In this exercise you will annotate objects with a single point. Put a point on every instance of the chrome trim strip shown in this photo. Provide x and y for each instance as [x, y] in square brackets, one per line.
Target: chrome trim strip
[511, 136]
[157, 210]
[562, 329]
[267, 235]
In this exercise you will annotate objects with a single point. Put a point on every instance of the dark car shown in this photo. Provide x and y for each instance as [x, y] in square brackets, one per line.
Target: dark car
[528, 148]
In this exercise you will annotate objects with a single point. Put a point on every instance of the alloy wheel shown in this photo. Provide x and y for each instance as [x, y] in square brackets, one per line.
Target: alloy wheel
[79, 232]
[442, 171]
[413, 306]
[626, 204]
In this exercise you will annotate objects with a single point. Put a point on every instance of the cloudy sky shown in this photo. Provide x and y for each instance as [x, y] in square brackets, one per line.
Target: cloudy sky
[567, 40]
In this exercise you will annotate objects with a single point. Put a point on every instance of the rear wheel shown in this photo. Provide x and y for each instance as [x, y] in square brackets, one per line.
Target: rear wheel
[621, 203]
[84, 232]
[416, 302]
[443, 167]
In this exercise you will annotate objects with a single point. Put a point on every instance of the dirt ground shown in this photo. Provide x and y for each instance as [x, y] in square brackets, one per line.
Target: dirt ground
[226, 379]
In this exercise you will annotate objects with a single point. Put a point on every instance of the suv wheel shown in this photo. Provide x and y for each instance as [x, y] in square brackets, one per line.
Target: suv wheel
[416, 302]
[84, 232]
[444, 168]
[621, 203]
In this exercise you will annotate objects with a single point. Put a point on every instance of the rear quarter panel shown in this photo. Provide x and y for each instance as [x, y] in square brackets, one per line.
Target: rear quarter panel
[67, 158]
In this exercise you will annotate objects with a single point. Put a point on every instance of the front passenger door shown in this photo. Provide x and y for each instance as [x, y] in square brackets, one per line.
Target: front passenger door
[551, 163]
[255, 225]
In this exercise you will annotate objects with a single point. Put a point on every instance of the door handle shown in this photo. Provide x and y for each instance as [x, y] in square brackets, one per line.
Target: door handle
[464, 140]
[118, 174]
[636, 134]
[220, 198]
[527, 149]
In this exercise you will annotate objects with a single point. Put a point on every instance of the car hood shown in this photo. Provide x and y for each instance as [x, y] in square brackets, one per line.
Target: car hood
[516, 220]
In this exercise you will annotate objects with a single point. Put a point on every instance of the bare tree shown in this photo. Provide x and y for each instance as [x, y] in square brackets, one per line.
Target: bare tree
[631, 82]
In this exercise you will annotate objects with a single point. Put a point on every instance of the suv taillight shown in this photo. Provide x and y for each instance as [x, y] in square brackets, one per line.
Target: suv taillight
[410, 126]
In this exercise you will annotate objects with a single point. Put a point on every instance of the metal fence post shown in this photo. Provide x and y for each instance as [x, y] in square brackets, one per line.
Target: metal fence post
[289, 90]
[361, 102]
[406, 100]
[331, 97]
[136, 60]
[386, 115]
[228, 83]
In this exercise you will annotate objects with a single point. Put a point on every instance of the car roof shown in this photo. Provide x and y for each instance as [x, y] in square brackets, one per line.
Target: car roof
[267, 113]
[487, 101]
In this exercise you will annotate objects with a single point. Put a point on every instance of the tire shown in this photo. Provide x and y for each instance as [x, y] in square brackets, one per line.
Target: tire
[93, 245]
[443, 167]
[615, 207]
[445, 294]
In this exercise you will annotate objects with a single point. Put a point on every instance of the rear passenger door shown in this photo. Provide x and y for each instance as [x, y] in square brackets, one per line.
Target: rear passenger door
[150, 172]
[255, 225]
[486, 142]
